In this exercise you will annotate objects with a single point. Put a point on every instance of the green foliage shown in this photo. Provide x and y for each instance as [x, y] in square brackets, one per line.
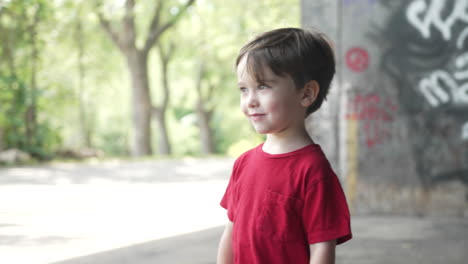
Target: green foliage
[113, 142]
[19, 25]
[184, 134]
[13, 107]
[209, 34]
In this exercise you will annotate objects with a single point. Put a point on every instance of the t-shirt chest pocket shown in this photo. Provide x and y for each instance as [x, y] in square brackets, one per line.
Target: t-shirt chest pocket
[279, 217]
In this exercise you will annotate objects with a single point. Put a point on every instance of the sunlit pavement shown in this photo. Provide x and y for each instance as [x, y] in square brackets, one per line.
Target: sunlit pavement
[65, 211]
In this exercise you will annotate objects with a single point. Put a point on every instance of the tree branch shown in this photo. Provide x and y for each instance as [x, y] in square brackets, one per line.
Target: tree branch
[129, 24]
[154, 24]
[7, 52]
[165, 58]
[114, 35]
[198, 85]
[166, 53]
[156, 32]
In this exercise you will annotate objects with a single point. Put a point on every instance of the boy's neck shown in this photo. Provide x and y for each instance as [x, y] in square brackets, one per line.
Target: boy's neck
[279, 144]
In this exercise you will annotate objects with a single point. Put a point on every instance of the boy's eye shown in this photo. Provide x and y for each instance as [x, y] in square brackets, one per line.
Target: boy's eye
[243, 89]
[262, 87]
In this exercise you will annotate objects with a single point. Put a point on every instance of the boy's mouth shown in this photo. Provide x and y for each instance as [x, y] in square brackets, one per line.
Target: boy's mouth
[256, 116]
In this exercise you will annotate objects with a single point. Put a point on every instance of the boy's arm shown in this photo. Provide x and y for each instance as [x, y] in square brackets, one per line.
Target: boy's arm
[323, 252]
[225, 255]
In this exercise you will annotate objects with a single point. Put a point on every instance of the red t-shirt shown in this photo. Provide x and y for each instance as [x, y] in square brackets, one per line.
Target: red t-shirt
[282, 203]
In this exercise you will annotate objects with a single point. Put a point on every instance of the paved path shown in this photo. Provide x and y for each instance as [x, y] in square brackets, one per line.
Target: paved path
[167, 212]
[64, 211]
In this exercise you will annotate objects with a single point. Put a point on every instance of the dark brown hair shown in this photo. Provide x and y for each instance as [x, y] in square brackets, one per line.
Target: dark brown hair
[304, 55]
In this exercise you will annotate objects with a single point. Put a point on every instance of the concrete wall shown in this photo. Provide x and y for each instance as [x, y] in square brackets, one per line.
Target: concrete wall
[396, 124]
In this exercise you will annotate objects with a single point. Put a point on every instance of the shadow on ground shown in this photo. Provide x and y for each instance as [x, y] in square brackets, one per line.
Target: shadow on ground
[377, 240]
[194, 248]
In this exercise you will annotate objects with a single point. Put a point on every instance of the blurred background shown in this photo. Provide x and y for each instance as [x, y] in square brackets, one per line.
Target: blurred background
[119, 125]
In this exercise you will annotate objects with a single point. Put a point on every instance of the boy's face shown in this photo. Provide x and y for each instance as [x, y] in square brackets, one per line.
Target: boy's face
[273, 105]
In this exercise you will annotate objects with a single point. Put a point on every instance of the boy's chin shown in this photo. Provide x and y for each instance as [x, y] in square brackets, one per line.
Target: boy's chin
[261, 131]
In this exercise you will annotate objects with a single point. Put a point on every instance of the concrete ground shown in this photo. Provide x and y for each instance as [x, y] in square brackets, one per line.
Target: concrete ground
[377, 240]
[167, 211]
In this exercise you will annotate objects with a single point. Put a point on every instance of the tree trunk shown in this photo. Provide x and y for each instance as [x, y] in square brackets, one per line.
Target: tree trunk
[31, 111]
[137, 60]
[7, 56]
[84, 124]
[206, 133]
[204, 116]
[159, 112]
[1, 139]
[6, 49]
[141, 102]
[164, 147]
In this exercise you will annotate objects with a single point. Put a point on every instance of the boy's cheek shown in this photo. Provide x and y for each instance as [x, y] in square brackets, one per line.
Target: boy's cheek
[277, 107]
[243, 108]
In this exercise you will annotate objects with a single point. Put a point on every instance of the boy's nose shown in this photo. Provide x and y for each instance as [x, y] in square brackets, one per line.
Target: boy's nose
[252, 100]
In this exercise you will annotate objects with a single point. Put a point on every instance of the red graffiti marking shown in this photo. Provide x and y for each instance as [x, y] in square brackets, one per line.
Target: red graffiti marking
[375, 114]
[357, 59]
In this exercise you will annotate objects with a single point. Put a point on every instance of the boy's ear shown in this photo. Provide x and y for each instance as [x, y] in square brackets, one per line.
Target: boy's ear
[310, 92]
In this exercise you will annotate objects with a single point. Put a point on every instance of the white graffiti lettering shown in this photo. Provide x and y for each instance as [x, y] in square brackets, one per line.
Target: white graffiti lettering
[461, 75]
[441, 87]
[433, 90]
[461, 62]
[433, 16]
[464, 132]
[461, 39]
[461, 95]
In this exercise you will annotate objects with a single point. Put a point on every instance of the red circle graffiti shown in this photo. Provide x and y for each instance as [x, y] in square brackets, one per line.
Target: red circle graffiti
[357, 59]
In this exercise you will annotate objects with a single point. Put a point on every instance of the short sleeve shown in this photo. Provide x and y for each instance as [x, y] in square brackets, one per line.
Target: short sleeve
[227, 202]
[325, 213]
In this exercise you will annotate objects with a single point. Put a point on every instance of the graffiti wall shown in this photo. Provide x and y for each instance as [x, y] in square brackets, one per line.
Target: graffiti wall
[403, 73]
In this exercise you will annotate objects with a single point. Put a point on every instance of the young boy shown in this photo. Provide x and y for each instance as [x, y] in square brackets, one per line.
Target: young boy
[285, 204]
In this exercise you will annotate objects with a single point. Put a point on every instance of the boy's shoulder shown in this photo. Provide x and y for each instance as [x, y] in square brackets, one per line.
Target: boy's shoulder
[248, 154]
